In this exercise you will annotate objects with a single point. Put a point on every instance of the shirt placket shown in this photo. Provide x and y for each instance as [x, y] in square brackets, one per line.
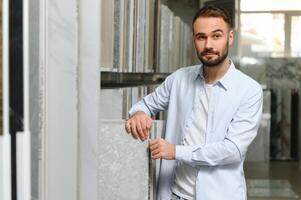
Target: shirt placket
[199, 88]
[210, 117]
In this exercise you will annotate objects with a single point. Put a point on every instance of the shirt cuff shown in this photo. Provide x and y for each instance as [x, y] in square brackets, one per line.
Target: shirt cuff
[184, 153]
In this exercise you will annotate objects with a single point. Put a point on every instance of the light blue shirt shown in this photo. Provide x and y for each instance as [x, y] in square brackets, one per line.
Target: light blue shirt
[234, 112]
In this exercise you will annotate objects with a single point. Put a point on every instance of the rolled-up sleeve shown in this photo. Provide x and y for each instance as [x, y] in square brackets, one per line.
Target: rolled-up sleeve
[240, 133]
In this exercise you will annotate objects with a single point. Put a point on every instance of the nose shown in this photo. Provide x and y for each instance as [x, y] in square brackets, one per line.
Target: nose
[208, 44]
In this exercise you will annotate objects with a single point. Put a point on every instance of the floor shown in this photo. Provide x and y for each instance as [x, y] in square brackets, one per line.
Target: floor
[274, 179]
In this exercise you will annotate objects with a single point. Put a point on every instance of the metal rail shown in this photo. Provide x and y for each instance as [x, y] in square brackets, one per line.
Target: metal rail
[126, 79]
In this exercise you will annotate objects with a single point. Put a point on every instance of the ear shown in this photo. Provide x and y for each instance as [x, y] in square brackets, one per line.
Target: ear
[231, 37]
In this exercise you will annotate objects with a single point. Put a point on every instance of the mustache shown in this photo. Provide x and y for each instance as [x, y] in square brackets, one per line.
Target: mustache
[208, 51]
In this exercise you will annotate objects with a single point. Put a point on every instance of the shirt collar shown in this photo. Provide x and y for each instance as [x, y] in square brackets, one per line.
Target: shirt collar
[199, 72]
[225, 81]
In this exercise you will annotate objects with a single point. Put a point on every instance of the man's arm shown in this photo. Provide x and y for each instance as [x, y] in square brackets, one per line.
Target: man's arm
[140, 120]
[240, 134]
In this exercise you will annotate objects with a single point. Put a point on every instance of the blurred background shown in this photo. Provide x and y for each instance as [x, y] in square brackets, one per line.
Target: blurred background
[87, 62]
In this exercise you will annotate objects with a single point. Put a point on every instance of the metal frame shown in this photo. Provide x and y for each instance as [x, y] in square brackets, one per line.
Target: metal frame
[119, 80]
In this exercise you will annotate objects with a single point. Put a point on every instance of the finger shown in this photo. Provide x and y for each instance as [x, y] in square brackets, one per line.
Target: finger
[156, 156]
[134, 131]
[149, 123]
[128, 126]
[155, 152]
[140, 131]
[153, 146]
[152, 141]
[144, 129]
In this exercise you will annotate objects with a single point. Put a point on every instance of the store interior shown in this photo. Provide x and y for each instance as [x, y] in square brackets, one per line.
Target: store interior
[89, 61]
[267, 48]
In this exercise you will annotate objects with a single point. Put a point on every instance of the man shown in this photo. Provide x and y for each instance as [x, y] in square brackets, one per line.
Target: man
[213, 116]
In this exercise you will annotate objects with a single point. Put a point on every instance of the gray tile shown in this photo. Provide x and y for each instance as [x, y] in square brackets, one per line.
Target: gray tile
[165, 24]
[129, 35]
[107, 36]
[123, 164]
[140, 37]
[124, 171]
[118, 30]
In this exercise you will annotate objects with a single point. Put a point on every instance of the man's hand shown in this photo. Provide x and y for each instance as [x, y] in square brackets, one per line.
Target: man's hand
[139, 125]
[160, 148]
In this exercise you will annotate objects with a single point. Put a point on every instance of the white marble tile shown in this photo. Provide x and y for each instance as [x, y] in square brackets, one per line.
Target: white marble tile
[62, 104]
[123, 164]
[283, 68]
[89, 93]
[125, 170]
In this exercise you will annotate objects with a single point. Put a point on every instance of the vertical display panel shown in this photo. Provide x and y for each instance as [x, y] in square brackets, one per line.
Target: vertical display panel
[5, 138]
[1, 70]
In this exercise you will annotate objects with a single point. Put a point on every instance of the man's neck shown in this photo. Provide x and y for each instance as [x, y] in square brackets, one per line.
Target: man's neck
[212, 74]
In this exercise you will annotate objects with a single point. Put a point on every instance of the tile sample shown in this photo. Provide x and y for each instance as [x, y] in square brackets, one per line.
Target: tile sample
[119, 8]
[129, 35]
[149, 34]
[125, 171]
[165, 23]
[107, 36]
[123, 164]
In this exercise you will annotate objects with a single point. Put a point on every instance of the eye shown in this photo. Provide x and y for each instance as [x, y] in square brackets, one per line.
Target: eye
[217, 36]
[201, 37]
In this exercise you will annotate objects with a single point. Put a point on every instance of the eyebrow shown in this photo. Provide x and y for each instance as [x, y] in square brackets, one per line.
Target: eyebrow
[202, 34]
[218, 30]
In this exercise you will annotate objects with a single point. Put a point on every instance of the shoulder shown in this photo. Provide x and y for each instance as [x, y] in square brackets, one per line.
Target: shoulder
[187, 72]
[182, 76]
[250, 86]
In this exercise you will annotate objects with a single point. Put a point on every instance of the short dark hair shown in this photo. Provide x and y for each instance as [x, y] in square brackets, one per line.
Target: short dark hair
[213, 11]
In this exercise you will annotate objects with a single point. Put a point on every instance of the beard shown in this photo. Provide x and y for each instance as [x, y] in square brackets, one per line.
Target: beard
[213, 62]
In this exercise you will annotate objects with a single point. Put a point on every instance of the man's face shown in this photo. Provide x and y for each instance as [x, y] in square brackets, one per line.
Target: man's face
[212, 38]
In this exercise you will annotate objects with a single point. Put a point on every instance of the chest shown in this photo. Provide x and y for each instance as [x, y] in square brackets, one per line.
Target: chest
[220, 108]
